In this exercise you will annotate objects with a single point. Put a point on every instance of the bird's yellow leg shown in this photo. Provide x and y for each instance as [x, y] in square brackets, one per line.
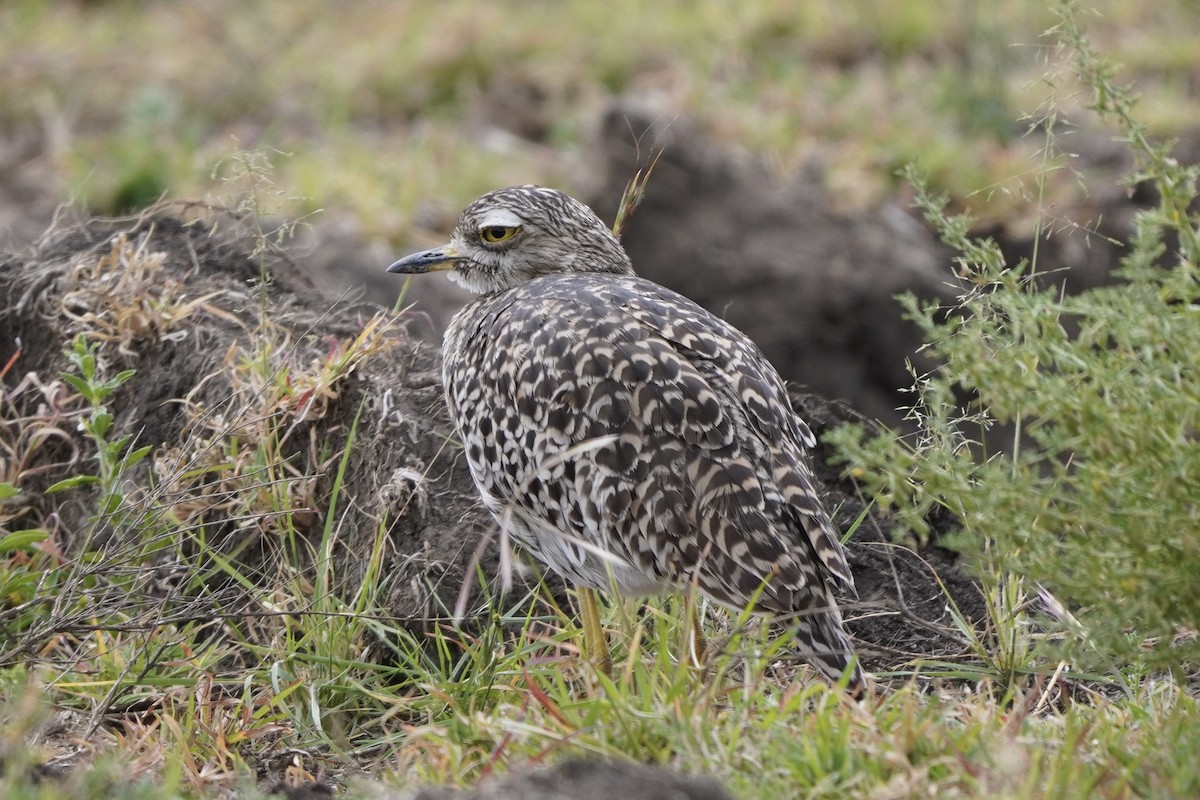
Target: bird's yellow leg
[594, 640]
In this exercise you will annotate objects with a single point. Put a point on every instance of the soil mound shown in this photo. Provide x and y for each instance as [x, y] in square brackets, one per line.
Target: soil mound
[188, 310]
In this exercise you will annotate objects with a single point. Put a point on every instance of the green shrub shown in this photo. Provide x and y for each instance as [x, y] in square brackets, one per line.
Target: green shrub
[1095, 494]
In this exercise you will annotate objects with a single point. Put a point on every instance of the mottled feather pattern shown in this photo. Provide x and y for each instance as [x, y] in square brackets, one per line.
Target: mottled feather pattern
[701, 476]
[624, 435]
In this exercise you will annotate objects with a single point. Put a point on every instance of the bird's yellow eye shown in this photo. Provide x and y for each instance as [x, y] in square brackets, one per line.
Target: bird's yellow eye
[494, 234]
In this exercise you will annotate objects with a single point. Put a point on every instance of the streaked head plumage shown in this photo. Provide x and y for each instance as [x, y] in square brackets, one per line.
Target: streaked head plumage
[513, 235]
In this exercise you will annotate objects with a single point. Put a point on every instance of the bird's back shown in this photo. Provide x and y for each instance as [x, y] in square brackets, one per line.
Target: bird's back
[607, 412]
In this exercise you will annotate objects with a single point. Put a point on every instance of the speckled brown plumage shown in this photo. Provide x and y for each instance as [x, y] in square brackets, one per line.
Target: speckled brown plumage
[622, 433]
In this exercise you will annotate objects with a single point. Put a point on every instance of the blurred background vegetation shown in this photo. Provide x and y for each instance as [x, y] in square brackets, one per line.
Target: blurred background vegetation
[392, 114]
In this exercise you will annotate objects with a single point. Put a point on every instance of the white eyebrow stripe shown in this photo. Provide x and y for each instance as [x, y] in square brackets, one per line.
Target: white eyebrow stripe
[500, 217]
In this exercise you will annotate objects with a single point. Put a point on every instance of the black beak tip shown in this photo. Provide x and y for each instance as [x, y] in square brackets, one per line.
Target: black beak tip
[425, 261]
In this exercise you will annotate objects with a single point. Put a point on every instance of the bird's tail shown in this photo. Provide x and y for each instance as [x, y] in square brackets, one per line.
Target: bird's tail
[822, 639]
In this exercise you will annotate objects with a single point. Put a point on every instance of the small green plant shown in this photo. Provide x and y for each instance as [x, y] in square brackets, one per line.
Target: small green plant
[26, 570]
[21, 562]
[1092, 491]
[113, 456]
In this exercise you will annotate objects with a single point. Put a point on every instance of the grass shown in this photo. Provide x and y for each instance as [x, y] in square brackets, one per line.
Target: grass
[275, 663]
[518, 692]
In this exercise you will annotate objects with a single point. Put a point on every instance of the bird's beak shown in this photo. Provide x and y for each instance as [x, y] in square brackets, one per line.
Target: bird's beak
[435, 260]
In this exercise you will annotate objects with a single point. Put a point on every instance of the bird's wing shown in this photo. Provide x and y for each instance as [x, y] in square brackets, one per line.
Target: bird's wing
[649, 427]
[774, 442]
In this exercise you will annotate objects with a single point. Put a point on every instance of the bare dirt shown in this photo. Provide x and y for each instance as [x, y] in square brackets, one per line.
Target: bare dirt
[578, 779]
[403, 466]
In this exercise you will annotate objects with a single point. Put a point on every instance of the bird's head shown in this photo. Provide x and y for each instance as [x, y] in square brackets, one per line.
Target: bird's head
[513, 235]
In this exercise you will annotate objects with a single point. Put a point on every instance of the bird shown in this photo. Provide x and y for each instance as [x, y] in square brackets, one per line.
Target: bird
[626, 437]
